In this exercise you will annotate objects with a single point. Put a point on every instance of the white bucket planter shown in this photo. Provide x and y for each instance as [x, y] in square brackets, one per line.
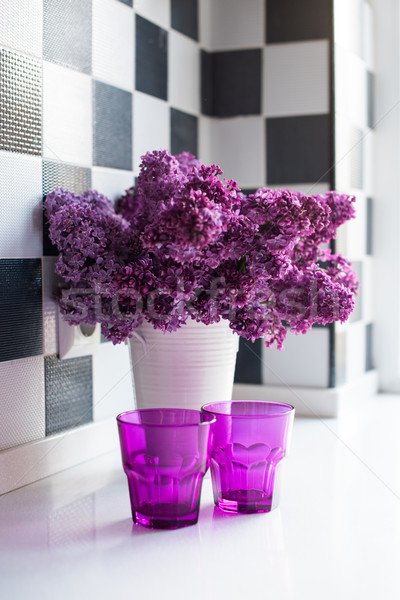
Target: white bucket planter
[186, 368]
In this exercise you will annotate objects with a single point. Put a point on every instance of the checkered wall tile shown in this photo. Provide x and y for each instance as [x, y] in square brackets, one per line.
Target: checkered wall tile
[88, 86]
[184, 134]
[151, 58]
[22, 401]
[69, 393]
[21, 103]
[185, 17]
[20, 308]
[67, 33]
[354, 121]
[112, 135]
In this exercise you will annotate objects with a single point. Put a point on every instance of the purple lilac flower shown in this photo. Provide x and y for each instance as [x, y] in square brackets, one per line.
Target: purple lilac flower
[183, 243]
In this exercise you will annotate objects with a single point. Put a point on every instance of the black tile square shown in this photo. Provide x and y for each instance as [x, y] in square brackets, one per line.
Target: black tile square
[235, 80]
[295, 20]
[369, 350]
[128, 2]
[67, 33]
[21, 325]
[151, 58]
[61, 175]
[248, 362]
[370, 216]
[370, 99]
[68, 392]
[248, 191]
[299, 149]
[184, 132]
[184, 17]
[112, 127]
[207, 89]
[20, 103]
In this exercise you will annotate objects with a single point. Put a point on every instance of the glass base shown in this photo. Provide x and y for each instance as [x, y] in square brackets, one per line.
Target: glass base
[245, 501]
[166, 515]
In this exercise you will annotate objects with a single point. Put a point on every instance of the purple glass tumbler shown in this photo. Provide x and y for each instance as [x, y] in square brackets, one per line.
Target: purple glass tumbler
[165, 455]
[250, 440]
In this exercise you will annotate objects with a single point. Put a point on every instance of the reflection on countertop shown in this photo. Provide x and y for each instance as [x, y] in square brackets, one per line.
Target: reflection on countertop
[335, 535]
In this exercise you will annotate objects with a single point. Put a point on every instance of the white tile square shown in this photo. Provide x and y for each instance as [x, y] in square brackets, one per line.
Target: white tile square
[350, 87]
[112, 381]
[184, 73]
[21, 206]
[151, 126]
[204, 150]
[67, 115]
[367, 309]
[296, 79]
[348, 24]
[356, 230]
[369, 161]
[343, 153]
[303, 362]
[355, 351]
[309, 189]
[22, 404]
[112, 43]
[21, 25]
[231, 24]
[157, 11]
[111, 182]
[368, 34]
[237, 146]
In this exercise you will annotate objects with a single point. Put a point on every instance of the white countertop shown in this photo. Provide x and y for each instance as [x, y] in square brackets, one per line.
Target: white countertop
[335, 536]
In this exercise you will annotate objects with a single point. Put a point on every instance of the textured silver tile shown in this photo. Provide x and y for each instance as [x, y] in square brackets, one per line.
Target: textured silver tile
[69, 177]
[69, 393]
[67, 33]
[21, 401]
[20, 103]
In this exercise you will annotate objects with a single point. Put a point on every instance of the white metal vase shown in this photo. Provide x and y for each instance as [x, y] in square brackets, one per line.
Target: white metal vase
[184, 369]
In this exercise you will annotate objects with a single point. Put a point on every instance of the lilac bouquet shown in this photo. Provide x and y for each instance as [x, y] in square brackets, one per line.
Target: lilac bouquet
[185, 244]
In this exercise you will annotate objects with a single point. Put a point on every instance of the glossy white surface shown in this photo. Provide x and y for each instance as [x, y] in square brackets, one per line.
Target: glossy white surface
[335, 535]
